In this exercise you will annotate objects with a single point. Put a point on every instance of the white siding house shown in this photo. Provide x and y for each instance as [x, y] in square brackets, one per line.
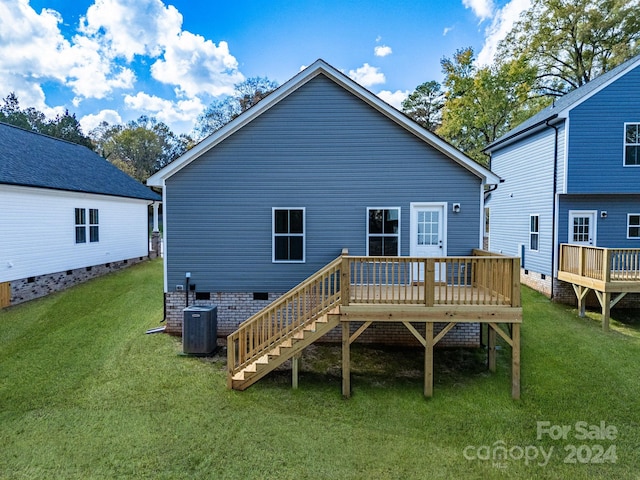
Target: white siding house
[66, 215]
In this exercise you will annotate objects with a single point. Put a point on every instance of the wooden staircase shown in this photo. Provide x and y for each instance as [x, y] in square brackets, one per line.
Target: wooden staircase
[284, 328]
[284, 351]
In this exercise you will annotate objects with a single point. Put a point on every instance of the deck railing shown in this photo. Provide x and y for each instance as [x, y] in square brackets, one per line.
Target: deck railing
[477, 280]
[604, 264]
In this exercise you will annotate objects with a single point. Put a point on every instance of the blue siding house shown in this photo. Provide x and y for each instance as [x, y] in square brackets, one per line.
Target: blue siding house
[571, 175]
[318, 166]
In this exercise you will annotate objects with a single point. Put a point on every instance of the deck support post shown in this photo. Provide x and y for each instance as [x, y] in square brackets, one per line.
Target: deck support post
[428, 361]
[491, 344]
[581, 293]
[515, 361]
[295, 370]
[346, 361]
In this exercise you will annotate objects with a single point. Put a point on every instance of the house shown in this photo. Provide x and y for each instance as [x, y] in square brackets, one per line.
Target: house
[572, 177]
[319, 166]
[67, 215]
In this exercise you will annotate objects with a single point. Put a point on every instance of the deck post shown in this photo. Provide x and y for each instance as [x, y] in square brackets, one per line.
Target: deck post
[295, 370]
[515, 282]
[428, 361]
[491, 343]
[515, 361]
[606, 310]
[345, 281]
[346, 361]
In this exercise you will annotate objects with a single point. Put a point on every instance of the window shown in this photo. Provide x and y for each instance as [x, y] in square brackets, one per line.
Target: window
[534, 232]
[93, 225]
[633, 225]
[632, 144]
[81, 225]
[81, 220]
[288, 235]
[383, 231]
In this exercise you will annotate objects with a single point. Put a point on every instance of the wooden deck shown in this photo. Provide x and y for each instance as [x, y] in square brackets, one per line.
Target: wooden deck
[479, 289]
[606, 271]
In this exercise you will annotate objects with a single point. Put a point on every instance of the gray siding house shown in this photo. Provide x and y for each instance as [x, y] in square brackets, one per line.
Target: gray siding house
[571, 176]
[319, 166]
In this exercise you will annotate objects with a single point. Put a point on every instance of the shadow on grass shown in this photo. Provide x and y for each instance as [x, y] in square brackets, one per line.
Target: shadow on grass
[377, 366]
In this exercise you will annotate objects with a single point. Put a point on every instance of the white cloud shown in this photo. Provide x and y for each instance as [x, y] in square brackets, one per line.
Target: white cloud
[125, 28]
[394, 98]
[196, 65]
[367, 75]
[89, 122]
[499, 28]
[482, 9]
[382, 50]
[166, 111]
[31, 41]
[446, 30]
[112, 41]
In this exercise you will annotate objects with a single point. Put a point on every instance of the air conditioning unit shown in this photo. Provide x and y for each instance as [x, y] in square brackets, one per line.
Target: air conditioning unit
[199, 330]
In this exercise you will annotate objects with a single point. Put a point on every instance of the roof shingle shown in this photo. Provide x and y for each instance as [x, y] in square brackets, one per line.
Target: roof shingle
[35, 160]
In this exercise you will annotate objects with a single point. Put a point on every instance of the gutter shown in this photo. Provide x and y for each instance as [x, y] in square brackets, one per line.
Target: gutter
[541, 123]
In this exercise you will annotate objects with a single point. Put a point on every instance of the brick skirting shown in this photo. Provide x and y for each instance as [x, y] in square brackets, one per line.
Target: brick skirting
[30, 288]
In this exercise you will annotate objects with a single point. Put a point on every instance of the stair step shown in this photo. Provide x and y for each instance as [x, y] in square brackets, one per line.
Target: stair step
[299, 335]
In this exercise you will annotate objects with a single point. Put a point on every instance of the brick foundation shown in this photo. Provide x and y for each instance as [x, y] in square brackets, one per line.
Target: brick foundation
[234, 308]
[537, 281]
[34, 287]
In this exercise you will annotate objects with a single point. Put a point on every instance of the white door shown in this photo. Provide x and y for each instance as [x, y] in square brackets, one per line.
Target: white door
[428, 234]
[582, 227]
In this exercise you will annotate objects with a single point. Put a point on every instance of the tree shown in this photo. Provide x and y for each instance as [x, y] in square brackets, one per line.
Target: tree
[570, 42]
[482, 103]
[220, 112]
[141, 147]
[65, 127]
[424, 105]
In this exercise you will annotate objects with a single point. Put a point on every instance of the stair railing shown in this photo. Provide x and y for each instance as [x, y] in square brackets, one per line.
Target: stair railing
[283, 318]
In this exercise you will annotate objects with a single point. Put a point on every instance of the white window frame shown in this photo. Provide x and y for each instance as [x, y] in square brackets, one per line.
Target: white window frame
[532, 232]
[274, 234]
[397, 235]
[629, 215]
[93, 225]
[625, 144]
[82, 226]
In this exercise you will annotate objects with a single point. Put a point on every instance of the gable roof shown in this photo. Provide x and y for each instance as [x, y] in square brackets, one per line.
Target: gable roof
[320, 67]
[563, 105]
[35, 160]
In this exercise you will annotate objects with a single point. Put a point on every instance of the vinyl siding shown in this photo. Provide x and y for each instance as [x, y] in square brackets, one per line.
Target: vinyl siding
[610, 231]
[38, 231]
[320, 148]
[527, 170]
[596, 139]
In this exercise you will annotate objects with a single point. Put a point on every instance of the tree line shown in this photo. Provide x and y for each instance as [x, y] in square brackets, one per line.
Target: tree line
[555, 47]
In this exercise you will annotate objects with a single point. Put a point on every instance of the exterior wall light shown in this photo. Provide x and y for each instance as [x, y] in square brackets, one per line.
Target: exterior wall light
[456, 208]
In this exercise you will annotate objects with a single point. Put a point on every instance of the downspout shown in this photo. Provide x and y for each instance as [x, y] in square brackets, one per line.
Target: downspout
[555, 191]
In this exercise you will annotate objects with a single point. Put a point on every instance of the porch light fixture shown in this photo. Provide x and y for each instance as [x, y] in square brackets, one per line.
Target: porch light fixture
[456, 208]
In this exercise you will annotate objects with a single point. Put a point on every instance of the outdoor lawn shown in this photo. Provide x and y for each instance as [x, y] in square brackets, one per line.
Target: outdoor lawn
[85, 393]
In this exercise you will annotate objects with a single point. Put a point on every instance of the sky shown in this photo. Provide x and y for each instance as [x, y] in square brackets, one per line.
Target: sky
[114, 60]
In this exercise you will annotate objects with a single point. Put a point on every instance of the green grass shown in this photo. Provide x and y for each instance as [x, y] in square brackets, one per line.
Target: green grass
[84, 393]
